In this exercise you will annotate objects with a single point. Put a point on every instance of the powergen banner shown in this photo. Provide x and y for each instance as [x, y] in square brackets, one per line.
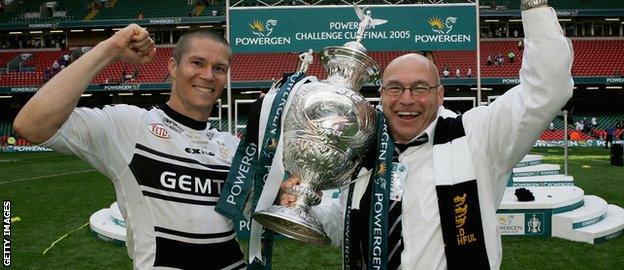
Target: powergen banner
[297, 29]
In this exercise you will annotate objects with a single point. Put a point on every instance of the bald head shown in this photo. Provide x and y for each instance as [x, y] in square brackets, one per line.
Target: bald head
[408, 114]
[412, 61]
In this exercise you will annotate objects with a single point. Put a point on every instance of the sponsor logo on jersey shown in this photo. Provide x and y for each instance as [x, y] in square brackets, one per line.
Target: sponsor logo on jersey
[159, 130]
[172, 125]
[198, 151]
[191, 184]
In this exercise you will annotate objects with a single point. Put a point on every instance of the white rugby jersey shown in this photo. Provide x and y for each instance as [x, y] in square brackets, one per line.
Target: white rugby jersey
[168, 171]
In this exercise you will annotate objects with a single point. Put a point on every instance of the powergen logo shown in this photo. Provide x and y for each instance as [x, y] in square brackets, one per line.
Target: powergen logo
[442, 31]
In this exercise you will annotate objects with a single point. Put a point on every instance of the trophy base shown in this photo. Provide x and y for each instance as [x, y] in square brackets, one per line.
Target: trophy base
[293, 223]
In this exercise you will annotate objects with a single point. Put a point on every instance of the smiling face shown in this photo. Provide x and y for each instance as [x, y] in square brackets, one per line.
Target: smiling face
[198, 76]
[408, 115]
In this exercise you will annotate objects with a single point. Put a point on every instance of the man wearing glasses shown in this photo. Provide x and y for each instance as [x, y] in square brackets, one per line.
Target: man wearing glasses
[432, 203]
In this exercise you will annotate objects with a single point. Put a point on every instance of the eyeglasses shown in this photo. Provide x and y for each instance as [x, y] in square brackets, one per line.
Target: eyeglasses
[418, 90]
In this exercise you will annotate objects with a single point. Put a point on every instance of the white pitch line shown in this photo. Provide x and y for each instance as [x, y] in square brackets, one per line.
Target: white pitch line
[43, 177]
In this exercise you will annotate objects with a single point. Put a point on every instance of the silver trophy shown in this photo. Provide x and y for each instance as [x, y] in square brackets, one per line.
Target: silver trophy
[328, 127]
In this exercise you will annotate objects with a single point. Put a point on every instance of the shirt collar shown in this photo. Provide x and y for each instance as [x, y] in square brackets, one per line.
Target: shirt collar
[183, 119]
[430, 129]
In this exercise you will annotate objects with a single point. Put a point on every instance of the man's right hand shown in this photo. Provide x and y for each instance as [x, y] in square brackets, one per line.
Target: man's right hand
[287, 197]
[133, 45]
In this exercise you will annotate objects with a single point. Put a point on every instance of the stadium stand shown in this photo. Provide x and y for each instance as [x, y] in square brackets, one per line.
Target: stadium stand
[29, 11]
[605, 121]
[591, 61]
[594, 56]
[6, 57]
[155, 71]
[588, 62]
[38, 62]
[21, 78]
[124, 9]
[245, 66]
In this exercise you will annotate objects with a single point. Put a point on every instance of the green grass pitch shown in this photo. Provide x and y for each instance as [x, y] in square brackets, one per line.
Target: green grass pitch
[53, 194]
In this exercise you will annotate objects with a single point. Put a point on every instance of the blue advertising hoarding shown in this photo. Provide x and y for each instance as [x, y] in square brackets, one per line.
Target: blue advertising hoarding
[297, 29]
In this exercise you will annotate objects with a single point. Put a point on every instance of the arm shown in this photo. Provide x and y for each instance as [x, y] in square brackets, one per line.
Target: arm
[509, 126]
[49, 108]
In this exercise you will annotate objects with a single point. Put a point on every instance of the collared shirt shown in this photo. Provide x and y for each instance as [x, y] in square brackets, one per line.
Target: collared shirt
[168, 171]
[498, 136]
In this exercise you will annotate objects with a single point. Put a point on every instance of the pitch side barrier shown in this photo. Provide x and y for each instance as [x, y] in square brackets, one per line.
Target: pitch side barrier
[609, 81]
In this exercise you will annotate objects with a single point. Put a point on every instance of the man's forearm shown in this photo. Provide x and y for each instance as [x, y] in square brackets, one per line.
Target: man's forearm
[50, 107]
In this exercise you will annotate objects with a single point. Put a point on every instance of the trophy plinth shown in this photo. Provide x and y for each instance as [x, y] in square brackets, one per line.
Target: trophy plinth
[327, 128]
[294, 223]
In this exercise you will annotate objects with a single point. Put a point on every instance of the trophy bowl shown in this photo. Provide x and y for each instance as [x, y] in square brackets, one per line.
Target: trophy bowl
[327, 128]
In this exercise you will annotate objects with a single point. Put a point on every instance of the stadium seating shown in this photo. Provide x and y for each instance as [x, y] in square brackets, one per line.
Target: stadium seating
[597, 57]
[605, 120]
[75, 10]
[245, 67]
[39, 61]
[124, 9]
[589, 61]
[6, 57]
[155, 71]
[21, 78]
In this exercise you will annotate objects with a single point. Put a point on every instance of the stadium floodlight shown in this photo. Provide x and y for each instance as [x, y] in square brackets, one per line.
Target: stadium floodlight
[85, 95]
[515, 20]
[6, 96]
[36, 32]
[491, 20]
[591, 88]
[15, 33]
[613, 87]
[97, 29]
[565, 20]
[206, 26]
[183, 27]
[612, 19]
[56, 31]
[76, 30]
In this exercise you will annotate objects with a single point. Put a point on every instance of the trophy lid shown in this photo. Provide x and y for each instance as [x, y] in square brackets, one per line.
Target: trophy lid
[349, 67]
